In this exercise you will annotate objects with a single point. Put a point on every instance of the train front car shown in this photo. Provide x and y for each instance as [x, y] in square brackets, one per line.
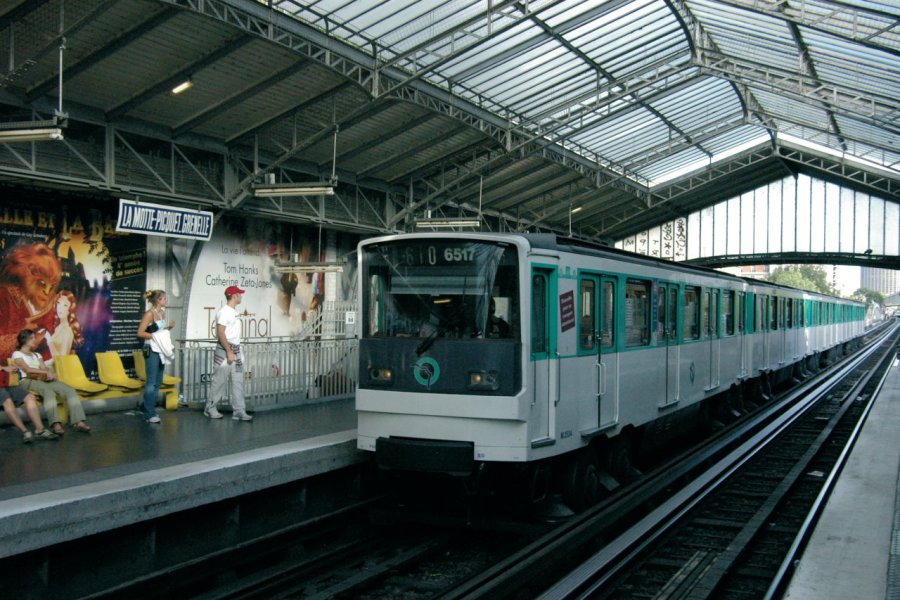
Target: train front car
[440, 351]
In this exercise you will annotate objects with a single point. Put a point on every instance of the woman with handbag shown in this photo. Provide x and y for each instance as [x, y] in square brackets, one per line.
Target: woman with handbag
[37, 377]
[154, 330]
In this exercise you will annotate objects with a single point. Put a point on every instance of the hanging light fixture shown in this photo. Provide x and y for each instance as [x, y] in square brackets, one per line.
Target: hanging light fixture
[270, 190]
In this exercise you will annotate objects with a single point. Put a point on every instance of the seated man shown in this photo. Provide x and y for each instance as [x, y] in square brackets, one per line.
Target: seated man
[10, 397]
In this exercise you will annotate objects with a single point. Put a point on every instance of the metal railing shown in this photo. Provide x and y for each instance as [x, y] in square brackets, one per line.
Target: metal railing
[277, 371]
[330, 321]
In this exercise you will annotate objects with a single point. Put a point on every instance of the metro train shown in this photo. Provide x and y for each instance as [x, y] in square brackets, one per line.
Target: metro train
[561, 361]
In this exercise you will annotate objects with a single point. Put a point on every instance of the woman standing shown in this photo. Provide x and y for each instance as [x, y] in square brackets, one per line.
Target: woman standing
[154, 321]
[36, 377]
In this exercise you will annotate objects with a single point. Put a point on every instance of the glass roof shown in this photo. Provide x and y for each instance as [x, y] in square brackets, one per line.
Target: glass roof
[650, 88]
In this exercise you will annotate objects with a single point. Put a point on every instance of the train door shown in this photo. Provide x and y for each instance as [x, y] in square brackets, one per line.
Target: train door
[607, 357]
[544, 357]
[714, 342]
[666, 336]
[778, 330]
[765, 327]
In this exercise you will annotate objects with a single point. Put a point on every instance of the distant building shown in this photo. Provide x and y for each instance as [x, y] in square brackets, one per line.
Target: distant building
[883, 281]
[751, 271]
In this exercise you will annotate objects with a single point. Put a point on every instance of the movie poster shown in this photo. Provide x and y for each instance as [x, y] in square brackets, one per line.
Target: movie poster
[69, 276]
[247, 253]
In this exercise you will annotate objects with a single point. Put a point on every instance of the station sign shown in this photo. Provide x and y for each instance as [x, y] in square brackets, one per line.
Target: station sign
[168, 221]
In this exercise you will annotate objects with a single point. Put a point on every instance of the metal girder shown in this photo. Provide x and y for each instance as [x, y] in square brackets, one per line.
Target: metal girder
[879, 183]
[708, 132]
[185, 72]
[267, 121]
[232, 101]
[359, 67]
[875, 261]
[385, 137]
[879, 112]
[20, 12]
[859, 24]
[412, 151]
[75, 22]
[106, 51]
[662, 196]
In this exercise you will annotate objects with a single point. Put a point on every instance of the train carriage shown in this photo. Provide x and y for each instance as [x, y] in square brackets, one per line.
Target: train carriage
[542, 354]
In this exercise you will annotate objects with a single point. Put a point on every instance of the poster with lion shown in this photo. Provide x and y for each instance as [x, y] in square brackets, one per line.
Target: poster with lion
[69, 276]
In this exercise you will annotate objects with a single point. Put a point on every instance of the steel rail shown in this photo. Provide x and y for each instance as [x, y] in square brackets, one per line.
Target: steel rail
[625, 548]
[786, 569]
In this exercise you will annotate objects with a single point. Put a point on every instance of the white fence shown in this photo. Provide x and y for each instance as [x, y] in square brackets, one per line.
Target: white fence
[277, 371]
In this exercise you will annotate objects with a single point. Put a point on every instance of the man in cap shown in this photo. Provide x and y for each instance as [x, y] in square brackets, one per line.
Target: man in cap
[227, 359]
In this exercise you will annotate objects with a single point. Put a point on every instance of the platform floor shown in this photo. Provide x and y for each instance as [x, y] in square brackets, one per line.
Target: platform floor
[854, 551]
[122, 442]
[127, 470]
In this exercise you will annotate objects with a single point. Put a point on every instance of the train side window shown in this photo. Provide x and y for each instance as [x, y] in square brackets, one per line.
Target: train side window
[539, 338]
[714, 313]
[691, 314]
[661, 331]
[704, 314]
[789, 313]
[728, 311]
[373, 305]
[587, 319]
[673, 312]
[637, 312]
[739, 312]
[776, 305]
[607, 314]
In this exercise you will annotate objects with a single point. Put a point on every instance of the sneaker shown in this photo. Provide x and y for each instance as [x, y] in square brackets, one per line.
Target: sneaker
[154, 419]
[46, 434]
[241, 416]
[212, 412]
[27, 437]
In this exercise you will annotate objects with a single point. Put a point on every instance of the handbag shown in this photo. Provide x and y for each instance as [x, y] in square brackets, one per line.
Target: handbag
[39, 376]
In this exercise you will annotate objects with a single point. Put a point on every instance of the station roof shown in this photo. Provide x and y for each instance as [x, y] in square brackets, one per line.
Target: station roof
[595, 118]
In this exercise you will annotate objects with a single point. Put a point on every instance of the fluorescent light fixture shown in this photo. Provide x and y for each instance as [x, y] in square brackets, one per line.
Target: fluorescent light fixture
[310, 267]
[447, 223]
[577, 209]
[293, 189]
[183, 86]
[44, 134]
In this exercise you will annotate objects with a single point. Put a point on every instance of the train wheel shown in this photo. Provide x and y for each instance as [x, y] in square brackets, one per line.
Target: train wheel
[619, 453]
[580, 485]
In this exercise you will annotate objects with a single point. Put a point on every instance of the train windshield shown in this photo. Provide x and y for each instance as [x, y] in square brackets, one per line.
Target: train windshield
[440, 288]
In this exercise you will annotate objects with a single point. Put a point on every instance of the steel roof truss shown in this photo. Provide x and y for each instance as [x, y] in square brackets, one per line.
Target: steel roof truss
[867, 108]
[859, 24]
[166, 85]
[106, 51]
[229, 103]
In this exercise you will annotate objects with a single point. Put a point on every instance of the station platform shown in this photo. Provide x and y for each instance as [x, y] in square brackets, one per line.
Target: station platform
[854, 551]
[126, 470]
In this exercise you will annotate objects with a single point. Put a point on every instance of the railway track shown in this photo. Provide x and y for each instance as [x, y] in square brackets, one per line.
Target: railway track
[724, 520]
[738, 535]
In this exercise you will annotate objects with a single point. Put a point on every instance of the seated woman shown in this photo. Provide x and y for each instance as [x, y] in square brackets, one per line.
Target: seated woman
[35, 376]
[10, 397]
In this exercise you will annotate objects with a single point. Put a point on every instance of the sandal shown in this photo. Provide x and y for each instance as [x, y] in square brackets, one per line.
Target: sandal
[82, 427]
[58, 429]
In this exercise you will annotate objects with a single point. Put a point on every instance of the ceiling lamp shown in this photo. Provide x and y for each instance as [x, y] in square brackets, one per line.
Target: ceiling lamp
[41, 134]
[293, 189]
[308, 267]
[183, 87]
[447, 223]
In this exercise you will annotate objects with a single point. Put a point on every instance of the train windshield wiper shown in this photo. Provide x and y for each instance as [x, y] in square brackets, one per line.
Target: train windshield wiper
[427, 342]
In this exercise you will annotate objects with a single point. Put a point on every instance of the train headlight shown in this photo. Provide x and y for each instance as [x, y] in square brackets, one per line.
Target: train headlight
[381, 376]
[484, 380]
